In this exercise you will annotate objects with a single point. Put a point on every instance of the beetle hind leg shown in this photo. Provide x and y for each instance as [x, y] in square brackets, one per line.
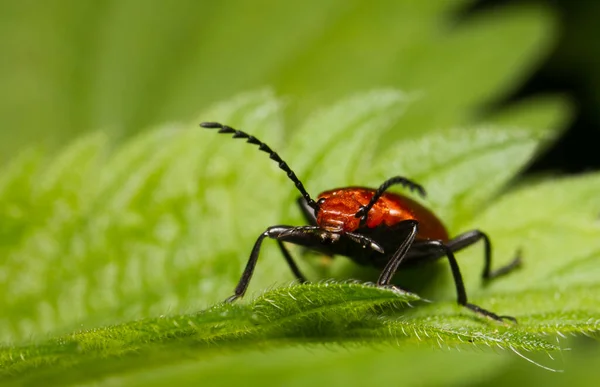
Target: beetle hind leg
[460, 286]
[471, 237]
[503, 270]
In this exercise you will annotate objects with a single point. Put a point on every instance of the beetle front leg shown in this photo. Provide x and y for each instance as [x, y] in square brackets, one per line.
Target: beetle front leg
[272, 232]
[392, 266]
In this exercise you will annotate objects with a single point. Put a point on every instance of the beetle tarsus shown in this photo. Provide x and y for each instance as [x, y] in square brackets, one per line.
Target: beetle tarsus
[486, 313]
[510, 318]
[501, 271]
[231, 299]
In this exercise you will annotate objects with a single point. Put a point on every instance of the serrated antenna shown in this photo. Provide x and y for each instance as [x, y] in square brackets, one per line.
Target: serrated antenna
[265, 148]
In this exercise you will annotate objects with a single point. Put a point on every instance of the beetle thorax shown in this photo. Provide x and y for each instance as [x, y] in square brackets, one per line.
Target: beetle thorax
[338, 209]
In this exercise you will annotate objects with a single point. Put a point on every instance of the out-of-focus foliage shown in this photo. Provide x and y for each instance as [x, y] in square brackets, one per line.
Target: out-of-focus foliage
[103, 235]
[109, 231]
[164, 222]
[73, 66]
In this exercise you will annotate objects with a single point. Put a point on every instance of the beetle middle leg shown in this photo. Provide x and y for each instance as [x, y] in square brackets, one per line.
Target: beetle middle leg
[291, 263]
[443, 250]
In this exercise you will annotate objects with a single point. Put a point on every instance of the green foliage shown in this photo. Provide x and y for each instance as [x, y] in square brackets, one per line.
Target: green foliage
[327, 312]
[123, 66]
[115, 255]
[174, 235]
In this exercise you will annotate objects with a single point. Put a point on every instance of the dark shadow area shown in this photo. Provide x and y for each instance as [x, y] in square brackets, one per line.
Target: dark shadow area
[572, 68]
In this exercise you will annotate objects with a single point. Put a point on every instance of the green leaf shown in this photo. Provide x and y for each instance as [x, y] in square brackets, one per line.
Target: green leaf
[115, 230]
[271, 317]
[328, 312]
[174, 236]
[555, 222]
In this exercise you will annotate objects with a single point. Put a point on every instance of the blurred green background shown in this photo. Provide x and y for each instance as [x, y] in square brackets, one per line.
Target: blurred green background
[71, 67]
[121, 67]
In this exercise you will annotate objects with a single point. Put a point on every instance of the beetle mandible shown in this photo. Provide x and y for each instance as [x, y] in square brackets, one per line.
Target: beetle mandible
[371, 227]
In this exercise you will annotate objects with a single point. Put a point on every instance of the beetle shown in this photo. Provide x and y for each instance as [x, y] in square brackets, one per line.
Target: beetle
[372, 227]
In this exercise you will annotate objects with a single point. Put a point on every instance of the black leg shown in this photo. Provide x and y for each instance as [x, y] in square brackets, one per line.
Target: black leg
[271, 232]
[392, 266]
[309, 215]
[312, 237]
[290, 262]
[242, 285]
[470, 237]
[460, 286]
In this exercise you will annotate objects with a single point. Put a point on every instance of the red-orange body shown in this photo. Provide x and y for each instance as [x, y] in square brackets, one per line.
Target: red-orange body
[338, 208]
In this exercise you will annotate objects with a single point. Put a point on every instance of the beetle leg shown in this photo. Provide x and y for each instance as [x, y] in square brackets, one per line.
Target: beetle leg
[364, 242]
[272, 232]
[290, 262]
[470, 237]
[392, 266]
[460, 286]
[304, 236]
